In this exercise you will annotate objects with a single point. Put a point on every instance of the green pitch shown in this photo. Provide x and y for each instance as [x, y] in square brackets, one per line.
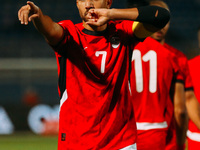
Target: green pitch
[27, 141]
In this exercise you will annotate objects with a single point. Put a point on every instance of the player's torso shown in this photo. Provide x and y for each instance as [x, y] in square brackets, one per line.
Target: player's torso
[98, 98]
[151, 79]
[98, 61]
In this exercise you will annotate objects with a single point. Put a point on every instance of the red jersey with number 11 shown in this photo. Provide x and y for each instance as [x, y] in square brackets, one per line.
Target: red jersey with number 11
[153, 74]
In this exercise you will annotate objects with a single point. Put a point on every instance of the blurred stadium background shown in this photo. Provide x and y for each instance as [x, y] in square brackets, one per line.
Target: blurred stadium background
[28, 71]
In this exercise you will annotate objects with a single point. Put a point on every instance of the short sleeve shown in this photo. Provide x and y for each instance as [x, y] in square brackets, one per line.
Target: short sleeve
[185, 70]
[125, 25]
[62, 45]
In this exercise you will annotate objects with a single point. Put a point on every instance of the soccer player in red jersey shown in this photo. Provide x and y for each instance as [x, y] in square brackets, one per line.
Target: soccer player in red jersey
[193, 133]
[157, 75]
[153, 75]
[176, 134]
[96, 110]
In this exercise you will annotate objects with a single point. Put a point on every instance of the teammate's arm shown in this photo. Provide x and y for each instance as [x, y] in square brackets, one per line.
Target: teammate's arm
[193, 107]
[149, 18]
[52, 32]
[180, 113]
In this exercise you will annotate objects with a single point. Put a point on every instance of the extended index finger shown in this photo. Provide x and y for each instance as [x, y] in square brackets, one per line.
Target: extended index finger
[33, 7]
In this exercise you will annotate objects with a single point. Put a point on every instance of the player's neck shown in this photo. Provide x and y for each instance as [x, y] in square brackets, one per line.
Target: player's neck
[94, 28]
[162, 42]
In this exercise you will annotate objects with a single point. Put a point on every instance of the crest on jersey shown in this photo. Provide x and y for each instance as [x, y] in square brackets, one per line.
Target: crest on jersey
[115, 41]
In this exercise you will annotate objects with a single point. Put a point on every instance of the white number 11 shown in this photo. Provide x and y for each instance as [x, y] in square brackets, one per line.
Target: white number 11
[150, 56]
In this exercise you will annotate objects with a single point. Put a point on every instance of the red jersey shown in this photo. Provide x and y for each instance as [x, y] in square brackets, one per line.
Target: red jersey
[186, 80]
[96, 109]
[194, 132]
[152, 76]
[183, 64]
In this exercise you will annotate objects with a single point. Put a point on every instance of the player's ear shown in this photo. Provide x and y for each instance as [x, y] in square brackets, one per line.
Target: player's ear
[109, 3]
[77, 4]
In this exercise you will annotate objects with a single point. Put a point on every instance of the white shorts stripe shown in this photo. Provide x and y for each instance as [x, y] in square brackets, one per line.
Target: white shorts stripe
[193, 136]
[131, 147]
[149, 126]
[64, 98]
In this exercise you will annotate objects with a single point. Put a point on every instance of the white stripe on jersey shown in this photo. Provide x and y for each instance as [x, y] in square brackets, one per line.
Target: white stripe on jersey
[149, 126]
[64, 98]
[129, 87]
[131, 147]
[193, 136]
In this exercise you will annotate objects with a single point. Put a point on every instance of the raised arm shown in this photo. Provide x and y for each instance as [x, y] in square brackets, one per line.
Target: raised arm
[52, 32]
[149, 18]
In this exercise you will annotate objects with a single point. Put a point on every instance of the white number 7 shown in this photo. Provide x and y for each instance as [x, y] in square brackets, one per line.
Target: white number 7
[103, 61]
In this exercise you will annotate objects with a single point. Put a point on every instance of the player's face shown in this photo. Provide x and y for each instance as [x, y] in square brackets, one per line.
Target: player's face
[85, 5]
[160, 35]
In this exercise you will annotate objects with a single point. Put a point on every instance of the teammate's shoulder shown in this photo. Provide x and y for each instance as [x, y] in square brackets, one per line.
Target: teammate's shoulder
[196, 59]
[151, 44]
[174, 50]
[171, 48]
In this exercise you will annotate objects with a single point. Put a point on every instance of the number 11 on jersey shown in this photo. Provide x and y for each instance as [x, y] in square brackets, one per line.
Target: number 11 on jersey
[150, 56]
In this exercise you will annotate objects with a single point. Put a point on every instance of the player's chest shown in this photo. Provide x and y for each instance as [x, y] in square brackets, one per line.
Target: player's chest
[94, 48]
[101, 52]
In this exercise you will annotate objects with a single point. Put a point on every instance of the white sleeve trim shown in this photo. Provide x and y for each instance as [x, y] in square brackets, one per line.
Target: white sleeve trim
[131, 147]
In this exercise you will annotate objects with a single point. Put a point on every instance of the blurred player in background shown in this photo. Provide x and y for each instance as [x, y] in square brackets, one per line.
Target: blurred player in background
[156, 75]
[193, 132]
[153, 76]
[179, 114]
[96, 110]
